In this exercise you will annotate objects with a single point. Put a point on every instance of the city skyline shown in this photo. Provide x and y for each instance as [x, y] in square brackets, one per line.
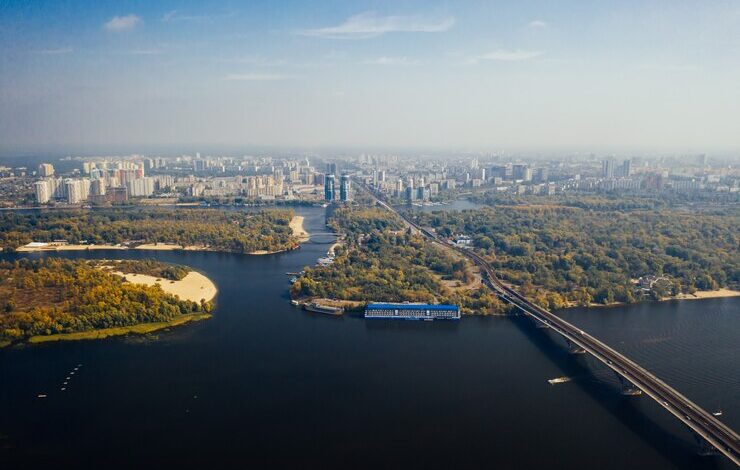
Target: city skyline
[470, 76]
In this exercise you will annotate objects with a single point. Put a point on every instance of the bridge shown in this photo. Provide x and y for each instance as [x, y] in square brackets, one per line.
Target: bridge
[634, 378]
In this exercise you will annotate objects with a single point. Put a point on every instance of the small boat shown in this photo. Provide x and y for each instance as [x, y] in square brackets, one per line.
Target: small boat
[318, 308]
[717, 413]
[41, 395]
[559, 380]
[294, 303]
[293, 280]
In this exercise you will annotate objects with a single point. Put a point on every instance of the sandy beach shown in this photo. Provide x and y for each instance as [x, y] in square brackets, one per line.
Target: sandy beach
[194, 286]
[32, 249]
[707, 294]
[159, 246]
[296, 224]
[264, 252]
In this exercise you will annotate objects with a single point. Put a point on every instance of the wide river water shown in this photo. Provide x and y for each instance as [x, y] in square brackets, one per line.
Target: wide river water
[263, 384]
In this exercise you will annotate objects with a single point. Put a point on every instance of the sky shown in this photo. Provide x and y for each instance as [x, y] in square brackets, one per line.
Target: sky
[590, 75]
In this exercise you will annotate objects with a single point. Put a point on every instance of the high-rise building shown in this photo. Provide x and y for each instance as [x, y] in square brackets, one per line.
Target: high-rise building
[331, 168]
[498, 172]
[97, 187]
[626, 169]
[607, 168]
[74, 191]
[329, 187]
[522, 172]
[541, 175]
[345, 192]
[410, 194]
[43, 191]
[46, 170]
[141, 187]
[399, 187]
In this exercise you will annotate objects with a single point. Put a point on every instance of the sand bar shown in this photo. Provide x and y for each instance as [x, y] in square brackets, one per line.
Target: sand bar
[707, 294]
[193, 287]
[296, 224]
[159, 246]
[50, 247]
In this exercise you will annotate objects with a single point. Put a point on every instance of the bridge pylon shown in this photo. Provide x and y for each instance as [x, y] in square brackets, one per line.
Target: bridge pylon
[705, 448]
[574, 348]
[539, 324]
[628, 388]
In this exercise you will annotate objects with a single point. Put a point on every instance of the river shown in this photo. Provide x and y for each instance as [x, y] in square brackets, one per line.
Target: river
[265, 384]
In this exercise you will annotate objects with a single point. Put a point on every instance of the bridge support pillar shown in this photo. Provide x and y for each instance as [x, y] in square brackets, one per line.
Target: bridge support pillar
[705, 448]
[574, 348]
[628, 388]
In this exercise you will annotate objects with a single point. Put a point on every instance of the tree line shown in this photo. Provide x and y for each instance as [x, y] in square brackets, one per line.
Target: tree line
[221, 230]
[567, 254]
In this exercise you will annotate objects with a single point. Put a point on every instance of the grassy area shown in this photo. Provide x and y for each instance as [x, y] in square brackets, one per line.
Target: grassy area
[139, 329]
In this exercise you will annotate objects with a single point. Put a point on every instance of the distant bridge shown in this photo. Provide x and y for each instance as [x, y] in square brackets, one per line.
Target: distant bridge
[634, 378]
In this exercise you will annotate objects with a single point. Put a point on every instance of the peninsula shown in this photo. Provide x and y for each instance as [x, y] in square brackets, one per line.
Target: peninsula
[267, 231]
[52, 299]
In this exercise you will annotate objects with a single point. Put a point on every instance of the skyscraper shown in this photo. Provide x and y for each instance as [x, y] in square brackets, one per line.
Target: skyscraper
[627, 168]
[43, 192]
[46, 169]
[607, 168]
[329, 187]
[345, 193]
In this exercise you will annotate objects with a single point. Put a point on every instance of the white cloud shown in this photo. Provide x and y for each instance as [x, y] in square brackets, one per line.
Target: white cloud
[169, 15]
[537, 24]
[57, 51]
[175, 15]
[256, 60]
[146, 51]
[255, 77]
[668, 67]
[507, 55]
[122, 23]
[368, 25]
[390, 61]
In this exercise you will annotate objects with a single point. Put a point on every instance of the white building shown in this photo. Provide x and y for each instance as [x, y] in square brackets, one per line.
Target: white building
[74, 191]
[46, 169]
[140, 187]
[43, 192]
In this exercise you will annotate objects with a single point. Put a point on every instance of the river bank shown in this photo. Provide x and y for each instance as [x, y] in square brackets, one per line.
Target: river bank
[296, 225]
[698, 295]
[141, 328]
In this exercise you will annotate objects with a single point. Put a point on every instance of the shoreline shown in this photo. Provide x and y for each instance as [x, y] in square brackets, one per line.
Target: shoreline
[296, 224]
[139, 329]
[722, 293]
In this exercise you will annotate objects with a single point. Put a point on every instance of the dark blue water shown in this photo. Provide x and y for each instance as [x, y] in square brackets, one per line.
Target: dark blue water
[263, 384]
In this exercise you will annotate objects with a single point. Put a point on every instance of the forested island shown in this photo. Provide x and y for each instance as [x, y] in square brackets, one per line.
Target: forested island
[381, 261]
[594, 250]
[52, 299]
[211, 229]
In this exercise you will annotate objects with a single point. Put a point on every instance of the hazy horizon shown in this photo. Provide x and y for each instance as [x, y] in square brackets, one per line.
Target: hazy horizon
[531, 77]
